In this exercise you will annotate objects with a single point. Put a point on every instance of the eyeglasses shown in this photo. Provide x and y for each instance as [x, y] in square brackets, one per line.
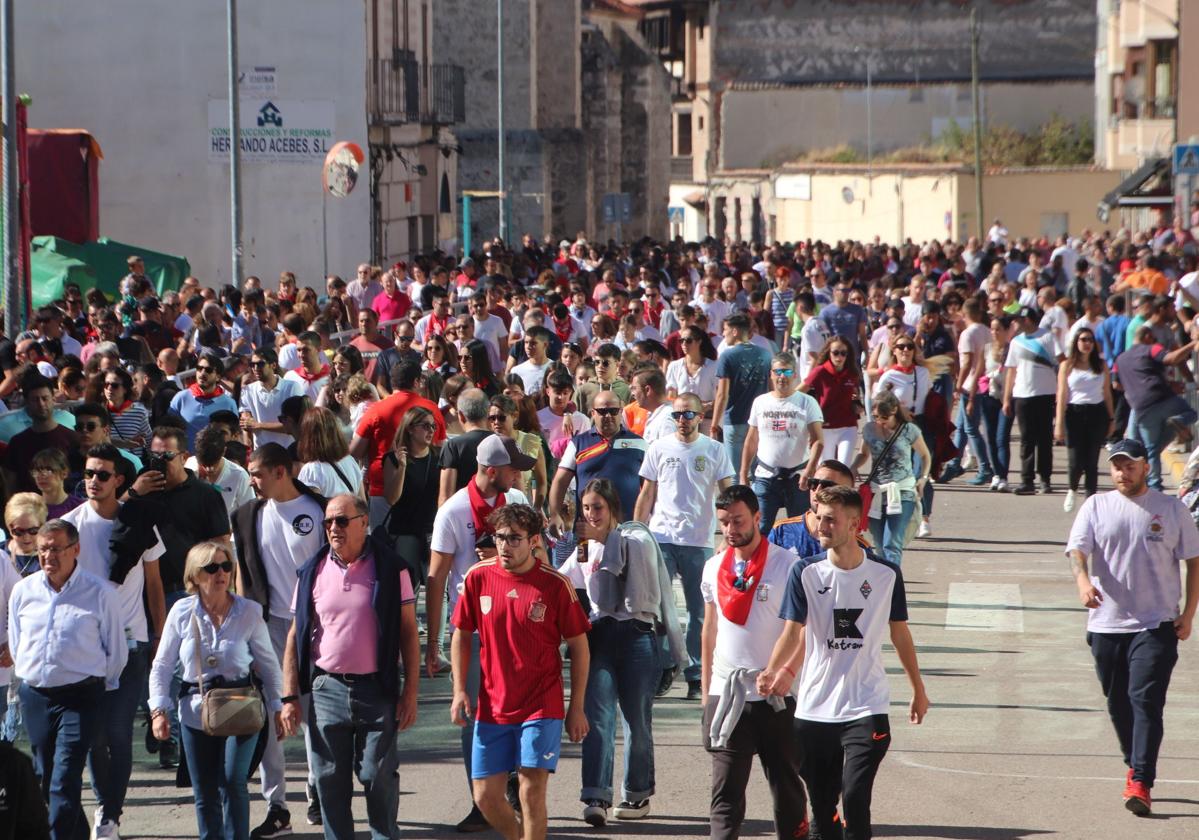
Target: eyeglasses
[116, 384]
[405, 339]
[213, 568]
[86, 427]
[689, 340]
[510, 539]
[54, 550]
[1085, 339]
[838, 353]
[905, 346]
[342, 522]
[102, 475]
[257, 365]
[199, 369]
[428, 427]
[24, 532]
[496, 418]
[783, 371]
[169, 455]
[610, 411]
[684, 415]
[820, 483]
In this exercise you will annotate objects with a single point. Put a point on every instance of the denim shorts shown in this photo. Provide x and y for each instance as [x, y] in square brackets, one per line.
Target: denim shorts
[504, 747]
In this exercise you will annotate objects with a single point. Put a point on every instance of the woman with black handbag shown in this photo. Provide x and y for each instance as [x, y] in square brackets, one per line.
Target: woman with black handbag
[217, 638]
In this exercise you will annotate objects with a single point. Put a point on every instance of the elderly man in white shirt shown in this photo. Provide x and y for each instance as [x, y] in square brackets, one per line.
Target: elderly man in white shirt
[67, 641]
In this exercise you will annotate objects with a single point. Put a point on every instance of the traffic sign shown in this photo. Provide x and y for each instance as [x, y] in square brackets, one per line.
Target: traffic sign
[618, 208]
[1186, 159]
[676, 214]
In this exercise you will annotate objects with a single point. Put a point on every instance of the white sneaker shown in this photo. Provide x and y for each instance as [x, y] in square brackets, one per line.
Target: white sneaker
[995, 482]
[925, 529]
[1068, 504]
[106, 830]
[1001, 487]
[968, 460]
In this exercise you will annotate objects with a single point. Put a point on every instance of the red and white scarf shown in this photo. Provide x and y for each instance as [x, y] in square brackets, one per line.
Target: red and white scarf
[479, 509]
[735, 603]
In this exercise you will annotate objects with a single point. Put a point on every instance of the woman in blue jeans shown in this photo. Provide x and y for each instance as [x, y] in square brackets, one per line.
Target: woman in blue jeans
[892, 439]
[997, 424]
[624, 670]
[219, 636]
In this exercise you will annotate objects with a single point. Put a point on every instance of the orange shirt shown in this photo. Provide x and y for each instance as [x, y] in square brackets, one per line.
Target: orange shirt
[1151, 279]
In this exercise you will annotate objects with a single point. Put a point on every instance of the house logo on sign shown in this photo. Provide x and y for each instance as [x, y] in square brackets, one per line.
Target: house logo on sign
[268, 114]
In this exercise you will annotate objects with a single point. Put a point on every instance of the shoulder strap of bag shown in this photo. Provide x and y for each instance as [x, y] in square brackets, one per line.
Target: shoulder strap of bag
[342, 476]
[199, 662]
[878, 462]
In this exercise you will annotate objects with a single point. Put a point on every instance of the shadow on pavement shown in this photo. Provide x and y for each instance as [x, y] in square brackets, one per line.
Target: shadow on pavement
[956, 832]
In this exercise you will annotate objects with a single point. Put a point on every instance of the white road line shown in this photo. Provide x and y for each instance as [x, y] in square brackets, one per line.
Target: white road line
[991, 773]
[994, 607]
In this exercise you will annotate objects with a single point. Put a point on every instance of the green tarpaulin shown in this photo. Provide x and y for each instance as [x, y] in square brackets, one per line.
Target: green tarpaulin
[51, 272]
[106, 259]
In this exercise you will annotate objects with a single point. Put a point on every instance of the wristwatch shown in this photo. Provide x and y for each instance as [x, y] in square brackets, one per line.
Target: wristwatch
[291, 698]
[157, 713]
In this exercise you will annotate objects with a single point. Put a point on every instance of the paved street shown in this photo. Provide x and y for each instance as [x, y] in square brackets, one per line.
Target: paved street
[1017, 744]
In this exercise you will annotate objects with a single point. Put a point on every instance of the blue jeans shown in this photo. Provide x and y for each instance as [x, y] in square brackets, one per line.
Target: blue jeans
[111, 758]
[624, 670]
[998, 427]
[219, 767]
[354, 729]
[888, 530]
[969, 430]
[62, 724]
[734, 441]
[687, 561]
[1152, 427]
[775, 493]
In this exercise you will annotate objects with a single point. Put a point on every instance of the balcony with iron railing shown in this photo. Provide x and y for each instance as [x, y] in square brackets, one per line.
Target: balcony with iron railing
[400, 92]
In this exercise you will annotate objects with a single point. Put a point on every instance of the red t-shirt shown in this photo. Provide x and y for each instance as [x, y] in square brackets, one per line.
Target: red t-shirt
[835, 392]
[379, 425]
[390, 308]
[521, 621]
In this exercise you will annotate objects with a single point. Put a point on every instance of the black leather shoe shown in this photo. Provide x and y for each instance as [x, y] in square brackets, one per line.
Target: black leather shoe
[666, 682]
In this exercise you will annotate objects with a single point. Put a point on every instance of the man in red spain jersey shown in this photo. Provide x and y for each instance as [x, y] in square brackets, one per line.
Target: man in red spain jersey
[522, 610]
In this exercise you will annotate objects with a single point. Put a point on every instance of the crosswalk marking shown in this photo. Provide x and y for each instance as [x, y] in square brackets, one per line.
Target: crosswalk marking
[995, 607]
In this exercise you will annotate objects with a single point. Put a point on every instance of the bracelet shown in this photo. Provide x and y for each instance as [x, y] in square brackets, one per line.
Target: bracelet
[788, 670]
[155, 713]
[291, 698]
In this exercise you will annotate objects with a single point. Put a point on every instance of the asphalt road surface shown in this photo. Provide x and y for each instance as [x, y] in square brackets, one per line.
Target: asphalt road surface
[1017, 743]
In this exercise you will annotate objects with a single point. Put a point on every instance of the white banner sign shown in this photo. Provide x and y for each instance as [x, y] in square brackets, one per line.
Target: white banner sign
[273, 131]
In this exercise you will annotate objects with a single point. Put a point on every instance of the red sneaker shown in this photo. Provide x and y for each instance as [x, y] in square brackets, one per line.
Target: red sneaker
[803, 830]
[1136, 797]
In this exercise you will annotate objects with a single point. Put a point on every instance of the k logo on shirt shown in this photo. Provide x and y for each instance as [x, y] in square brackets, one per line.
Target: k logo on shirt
[845, 624]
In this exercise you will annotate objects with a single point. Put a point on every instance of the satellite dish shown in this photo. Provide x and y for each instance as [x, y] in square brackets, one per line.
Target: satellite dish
[341, 169]
[847, 195]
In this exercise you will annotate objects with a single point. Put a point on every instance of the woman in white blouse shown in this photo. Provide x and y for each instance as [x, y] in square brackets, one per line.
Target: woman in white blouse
[220, 637]
[329, 469]
[1085, 412]
[695, 373]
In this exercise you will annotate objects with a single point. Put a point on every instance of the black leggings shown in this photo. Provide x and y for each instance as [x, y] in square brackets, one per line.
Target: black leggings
[1086, 430]
[840, 760]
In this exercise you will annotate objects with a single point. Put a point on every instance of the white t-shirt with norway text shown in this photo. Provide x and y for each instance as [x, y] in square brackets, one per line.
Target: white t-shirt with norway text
[782, 426]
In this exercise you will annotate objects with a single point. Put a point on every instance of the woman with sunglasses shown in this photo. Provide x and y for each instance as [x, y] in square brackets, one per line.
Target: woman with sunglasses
[1085, 413]
[909, 380]
[502, 417]
[834, 382]
[475, 363]
[411, 478]
[130, 419]
[24, 516]
[695, 373]
[892, 440]
[440, 356]
[217, 638]
[880, 346]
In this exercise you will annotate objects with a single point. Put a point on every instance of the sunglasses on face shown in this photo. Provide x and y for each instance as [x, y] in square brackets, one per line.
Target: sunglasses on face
[905, 346]
[684, 415]
[838, 353]
[213, 568]
[117, 384]
[24, 532]
[87, 427]
[405, 339]
[607, 412]
[496, 418]
[783, 371]
[342, 522]
[820, 483]
[257, 365]
[102, 475]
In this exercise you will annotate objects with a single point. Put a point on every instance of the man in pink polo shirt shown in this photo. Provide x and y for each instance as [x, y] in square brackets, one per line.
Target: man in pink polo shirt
[354, 628]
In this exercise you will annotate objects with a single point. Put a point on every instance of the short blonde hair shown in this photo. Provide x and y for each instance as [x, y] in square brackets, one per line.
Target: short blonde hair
[200, 556]
[26, 503]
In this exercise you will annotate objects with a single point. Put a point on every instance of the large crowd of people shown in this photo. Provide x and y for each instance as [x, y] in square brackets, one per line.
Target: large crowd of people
[249, 512]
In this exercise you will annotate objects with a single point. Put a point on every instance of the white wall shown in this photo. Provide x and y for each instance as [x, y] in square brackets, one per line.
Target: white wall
[139, 77]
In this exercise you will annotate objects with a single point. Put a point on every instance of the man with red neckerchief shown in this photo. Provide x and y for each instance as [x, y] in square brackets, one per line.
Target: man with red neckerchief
[313, 372]
[743, 589]
[204, 398]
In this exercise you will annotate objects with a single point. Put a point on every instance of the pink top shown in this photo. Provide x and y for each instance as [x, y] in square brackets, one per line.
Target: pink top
[345, 638]
[390, 308]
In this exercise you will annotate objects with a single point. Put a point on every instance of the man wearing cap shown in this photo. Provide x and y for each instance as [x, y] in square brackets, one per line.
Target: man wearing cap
[1125, 549]
[461, 537]
[1030, 395]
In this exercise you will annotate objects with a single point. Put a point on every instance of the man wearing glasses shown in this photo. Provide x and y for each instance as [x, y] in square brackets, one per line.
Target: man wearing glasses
[112, 754]
[391, 358]
[204, 398]
[355, 622]
[683, 473]
[67, 642]
[262, 401]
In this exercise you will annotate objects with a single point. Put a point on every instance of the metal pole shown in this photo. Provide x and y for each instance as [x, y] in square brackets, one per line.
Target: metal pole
[325, 230]
[978, 127]
[234, 149]
[12, 210]
[869, 122]
[499, 98]
[466, 200]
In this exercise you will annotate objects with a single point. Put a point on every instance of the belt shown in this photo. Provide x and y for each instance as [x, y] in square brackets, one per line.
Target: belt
[90, 682]
[348, 679]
